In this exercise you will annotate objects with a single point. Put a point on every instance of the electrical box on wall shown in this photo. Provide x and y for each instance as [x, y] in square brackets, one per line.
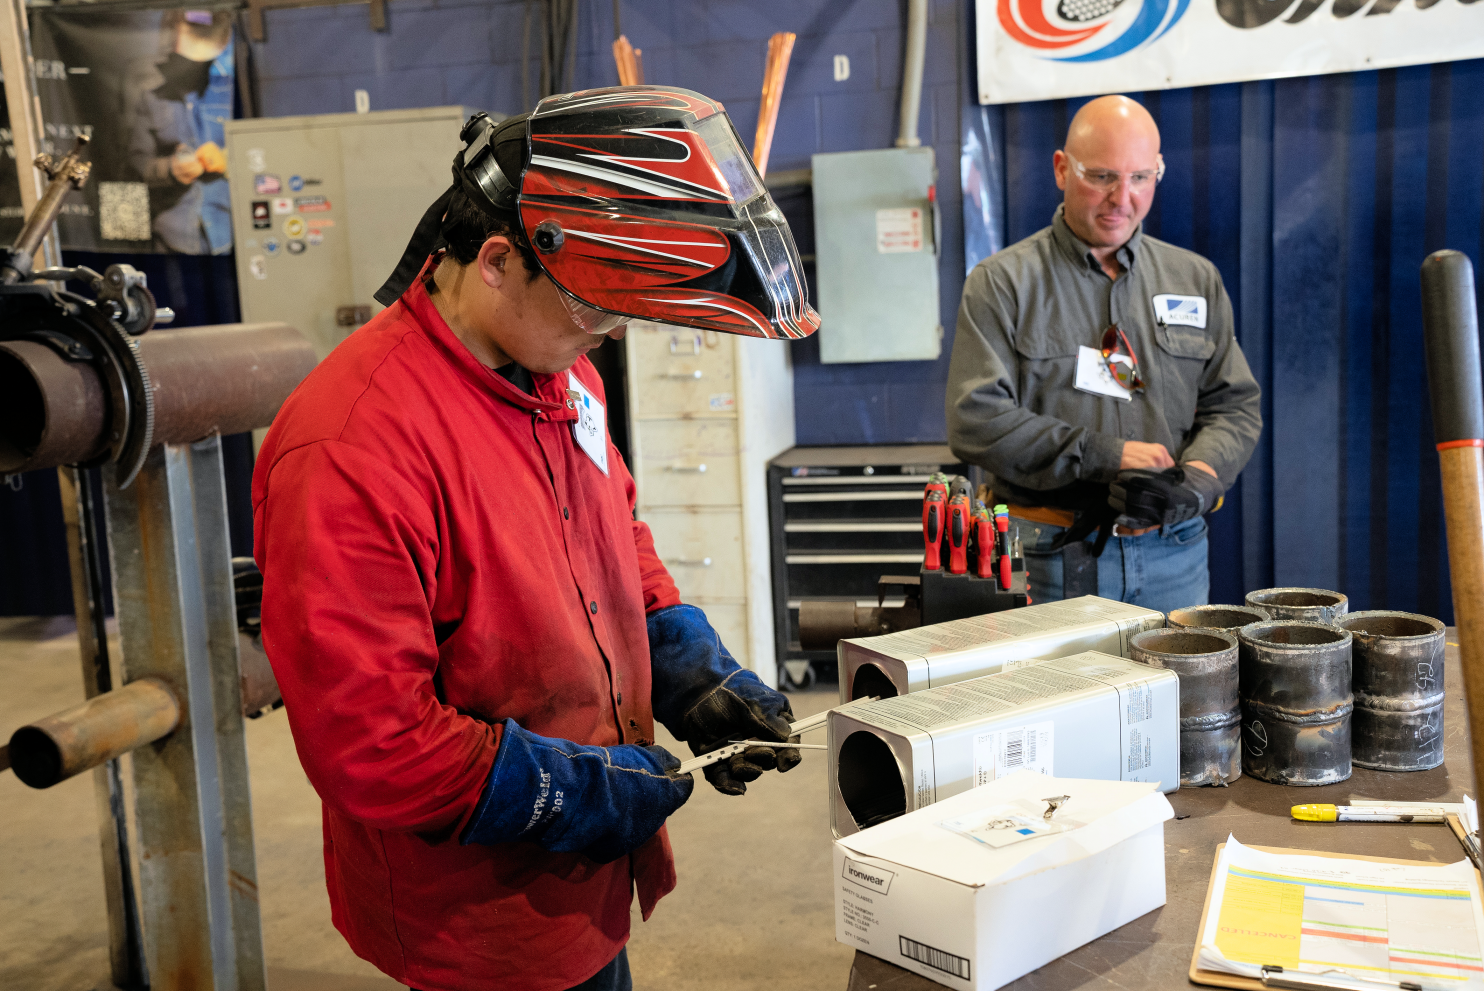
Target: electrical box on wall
[876, 243]
[323, 207]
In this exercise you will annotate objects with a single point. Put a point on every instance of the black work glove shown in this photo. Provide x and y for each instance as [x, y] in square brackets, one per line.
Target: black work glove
[741, 708]
[1143, 497]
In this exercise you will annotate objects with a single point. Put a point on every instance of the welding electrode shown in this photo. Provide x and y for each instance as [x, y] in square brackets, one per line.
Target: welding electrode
[1002, 524]
[934, 498]
[958, 534]
[984, 538]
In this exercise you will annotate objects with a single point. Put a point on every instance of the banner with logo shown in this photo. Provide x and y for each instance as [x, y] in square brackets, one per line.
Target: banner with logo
[152, 91]
[1048, 49]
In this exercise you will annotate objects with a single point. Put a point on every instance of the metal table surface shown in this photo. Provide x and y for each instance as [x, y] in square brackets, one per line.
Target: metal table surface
[1154, 950]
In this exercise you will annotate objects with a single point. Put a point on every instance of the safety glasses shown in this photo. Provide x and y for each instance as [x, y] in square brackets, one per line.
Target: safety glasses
[1123, 364]
[590, 318]
[1140, 181]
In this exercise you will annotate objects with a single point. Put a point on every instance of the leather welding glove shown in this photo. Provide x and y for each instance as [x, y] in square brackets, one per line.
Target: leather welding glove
[1144, 497]
[705, 698]
[567, 797]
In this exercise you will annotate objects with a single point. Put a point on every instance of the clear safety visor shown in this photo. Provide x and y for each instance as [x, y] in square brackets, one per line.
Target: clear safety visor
[732, 160]
[590, 318]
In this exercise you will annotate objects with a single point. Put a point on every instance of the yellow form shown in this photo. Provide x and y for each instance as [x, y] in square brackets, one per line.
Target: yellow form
[1261, 920]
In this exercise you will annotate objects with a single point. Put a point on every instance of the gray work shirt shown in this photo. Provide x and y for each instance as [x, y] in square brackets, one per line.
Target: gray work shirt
[1012, 407]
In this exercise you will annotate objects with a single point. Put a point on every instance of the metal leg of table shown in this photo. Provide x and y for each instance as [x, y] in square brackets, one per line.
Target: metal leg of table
[83, 526]
[172, 575]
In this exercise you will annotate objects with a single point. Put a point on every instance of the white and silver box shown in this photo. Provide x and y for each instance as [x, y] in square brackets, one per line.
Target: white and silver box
[945, 653]
[1091, 715]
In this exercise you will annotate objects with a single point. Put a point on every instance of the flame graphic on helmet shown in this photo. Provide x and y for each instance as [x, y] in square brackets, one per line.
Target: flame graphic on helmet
[1027, 23]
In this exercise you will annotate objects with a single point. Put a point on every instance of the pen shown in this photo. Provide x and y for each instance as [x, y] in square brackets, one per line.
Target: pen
[1376, 812]
[1469, 841]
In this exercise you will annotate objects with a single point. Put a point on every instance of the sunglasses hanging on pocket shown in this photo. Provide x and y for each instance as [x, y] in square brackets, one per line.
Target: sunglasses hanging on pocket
[1123, 364]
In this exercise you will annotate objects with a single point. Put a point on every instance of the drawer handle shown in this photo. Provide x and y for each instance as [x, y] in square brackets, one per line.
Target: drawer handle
[681, 375]
[698, 469]
[695, 346]
[702, 562]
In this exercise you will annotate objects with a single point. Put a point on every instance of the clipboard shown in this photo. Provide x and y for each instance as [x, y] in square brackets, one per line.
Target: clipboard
[1218, 979]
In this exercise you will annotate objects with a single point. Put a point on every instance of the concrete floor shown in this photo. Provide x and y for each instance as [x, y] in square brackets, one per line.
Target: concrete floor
[753, 909]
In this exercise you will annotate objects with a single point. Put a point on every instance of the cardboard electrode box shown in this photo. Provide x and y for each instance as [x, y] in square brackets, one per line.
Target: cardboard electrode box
[945, 653]
[981, 888]
[1091, 715]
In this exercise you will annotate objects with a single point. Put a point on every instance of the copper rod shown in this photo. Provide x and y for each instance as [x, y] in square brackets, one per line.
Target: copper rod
[780, 50]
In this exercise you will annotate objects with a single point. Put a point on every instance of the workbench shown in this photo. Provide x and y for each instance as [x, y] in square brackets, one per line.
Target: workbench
[1154, 951]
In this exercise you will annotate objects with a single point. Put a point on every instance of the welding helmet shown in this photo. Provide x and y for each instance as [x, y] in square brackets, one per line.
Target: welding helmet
[640, 203]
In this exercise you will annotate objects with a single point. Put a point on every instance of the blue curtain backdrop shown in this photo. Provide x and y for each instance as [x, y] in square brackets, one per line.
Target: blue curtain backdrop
[1318, 199]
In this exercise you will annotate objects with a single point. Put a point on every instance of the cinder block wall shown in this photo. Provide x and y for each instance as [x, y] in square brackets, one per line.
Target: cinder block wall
[450, 52]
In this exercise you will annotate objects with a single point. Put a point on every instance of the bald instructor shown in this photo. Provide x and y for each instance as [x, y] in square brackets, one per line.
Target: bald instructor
[1095, 374]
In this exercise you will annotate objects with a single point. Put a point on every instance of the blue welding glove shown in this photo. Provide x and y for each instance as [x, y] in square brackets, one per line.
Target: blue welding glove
[705, 698]
[565, 796]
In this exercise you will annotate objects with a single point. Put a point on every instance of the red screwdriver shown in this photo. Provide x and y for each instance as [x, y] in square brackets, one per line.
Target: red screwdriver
[958, 534]
[934, 496]
[932, 530]
[1002, 524]
[984, 537]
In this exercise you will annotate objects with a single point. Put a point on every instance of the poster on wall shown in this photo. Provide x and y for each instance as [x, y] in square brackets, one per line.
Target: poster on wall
[152, 90]
[1049, 49]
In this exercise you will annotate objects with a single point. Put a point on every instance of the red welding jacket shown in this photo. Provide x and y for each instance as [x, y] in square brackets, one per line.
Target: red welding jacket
[438, 554]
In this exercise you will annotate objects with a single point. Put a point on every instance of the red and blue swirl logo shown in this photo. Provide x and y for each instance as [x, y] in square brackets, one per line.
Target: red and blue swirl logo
[1027, 22]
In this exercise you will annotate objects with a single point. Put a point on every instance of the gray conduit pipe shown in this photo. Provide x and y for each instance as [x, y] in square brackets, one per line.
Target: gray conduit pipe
[912, 68]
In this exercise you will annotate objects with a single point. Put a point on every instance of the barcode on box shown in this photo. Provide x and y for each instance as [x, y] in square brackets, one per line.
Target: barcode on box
[1015, 749]
[936, 959]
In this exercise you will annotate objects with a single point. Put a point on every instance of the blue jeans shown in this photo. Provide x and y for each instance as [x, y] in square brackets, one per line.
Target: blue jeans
[1164, 569]
[613, 977]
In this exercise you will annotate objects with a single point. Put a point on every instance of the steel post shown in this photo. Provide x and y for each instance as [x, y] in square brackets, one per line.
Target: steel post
[84, 527]
[174, 598]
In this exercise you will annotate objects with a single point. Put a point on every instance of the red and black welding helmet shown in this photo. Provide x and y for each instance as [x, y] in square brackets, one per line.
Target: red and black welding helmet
[640, 202]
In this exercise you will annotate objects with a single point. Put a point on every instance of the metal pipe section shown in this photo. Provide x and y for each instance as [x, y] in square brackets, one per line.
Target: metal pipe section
[1397, 679]
[1205, 661]
[222, 379]
[912, 68]
[102, 728]
[1301, 605]
[1296, 702]
[1216, 617]
[52, 411]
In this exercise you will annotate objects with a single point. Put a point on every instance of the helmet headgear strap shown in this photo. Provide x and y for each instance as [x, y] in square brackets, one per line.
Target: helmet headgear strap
[482, 180]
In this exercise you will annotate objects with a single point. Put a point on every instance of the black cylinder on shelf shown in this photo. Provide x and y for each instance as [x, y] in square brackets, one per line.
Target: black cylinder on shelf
[1397, 680]
[1205, 660]
[1296, 702]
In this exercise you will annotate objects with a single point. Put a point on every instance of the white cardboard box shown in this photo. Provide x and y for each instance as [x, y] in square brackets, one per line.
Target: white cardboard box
[972, 917]
[1091, 715]
[945, 653]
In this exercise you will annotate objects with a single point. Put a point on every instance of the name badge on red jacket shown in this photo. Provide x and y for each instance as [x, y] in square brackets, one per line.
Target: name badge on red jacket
[590, 427]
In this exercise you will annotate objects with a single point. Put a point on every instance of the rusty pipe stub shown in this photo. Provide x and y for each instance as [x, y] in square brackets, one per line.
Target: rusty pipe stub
[52, 411]
[1205, 660]
[102, 728]
[1307, 605]
[1397, 679]
[1296, 702]
[224, 379]
[1215, 617]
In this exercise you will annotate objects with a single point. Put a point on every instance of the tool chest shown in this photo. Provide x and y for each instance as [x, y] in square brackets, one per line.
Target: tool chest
[840, 518]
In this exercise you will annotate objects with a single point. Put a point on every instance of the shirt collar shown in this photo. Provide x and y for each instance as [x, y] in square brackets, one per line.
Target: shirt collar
[1080, 252]
[550, 390]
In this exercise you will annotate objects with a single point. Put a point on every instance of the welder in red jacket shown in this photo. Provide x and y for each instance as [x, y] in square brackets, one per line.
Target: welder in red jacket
[472, 632]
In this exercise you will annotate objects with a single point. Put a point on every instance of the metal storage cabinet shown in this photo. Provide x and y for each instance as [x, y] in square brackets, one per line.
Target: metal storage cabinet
[342, 194]
[706, 412]
[841, 518]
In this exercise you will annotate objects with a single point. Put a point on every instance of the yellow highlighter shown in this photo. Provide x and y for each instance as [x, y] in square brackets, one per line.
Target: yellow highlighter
[1377, 812]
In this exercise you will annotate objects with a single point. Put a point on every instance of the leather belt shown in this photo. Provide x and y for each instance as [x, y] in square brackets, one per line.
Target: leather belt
[1064, 518]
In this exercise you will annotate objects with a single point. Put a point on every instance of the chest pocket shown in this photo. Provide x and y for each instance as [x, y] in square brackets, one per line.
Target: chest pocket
[1184, 342]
